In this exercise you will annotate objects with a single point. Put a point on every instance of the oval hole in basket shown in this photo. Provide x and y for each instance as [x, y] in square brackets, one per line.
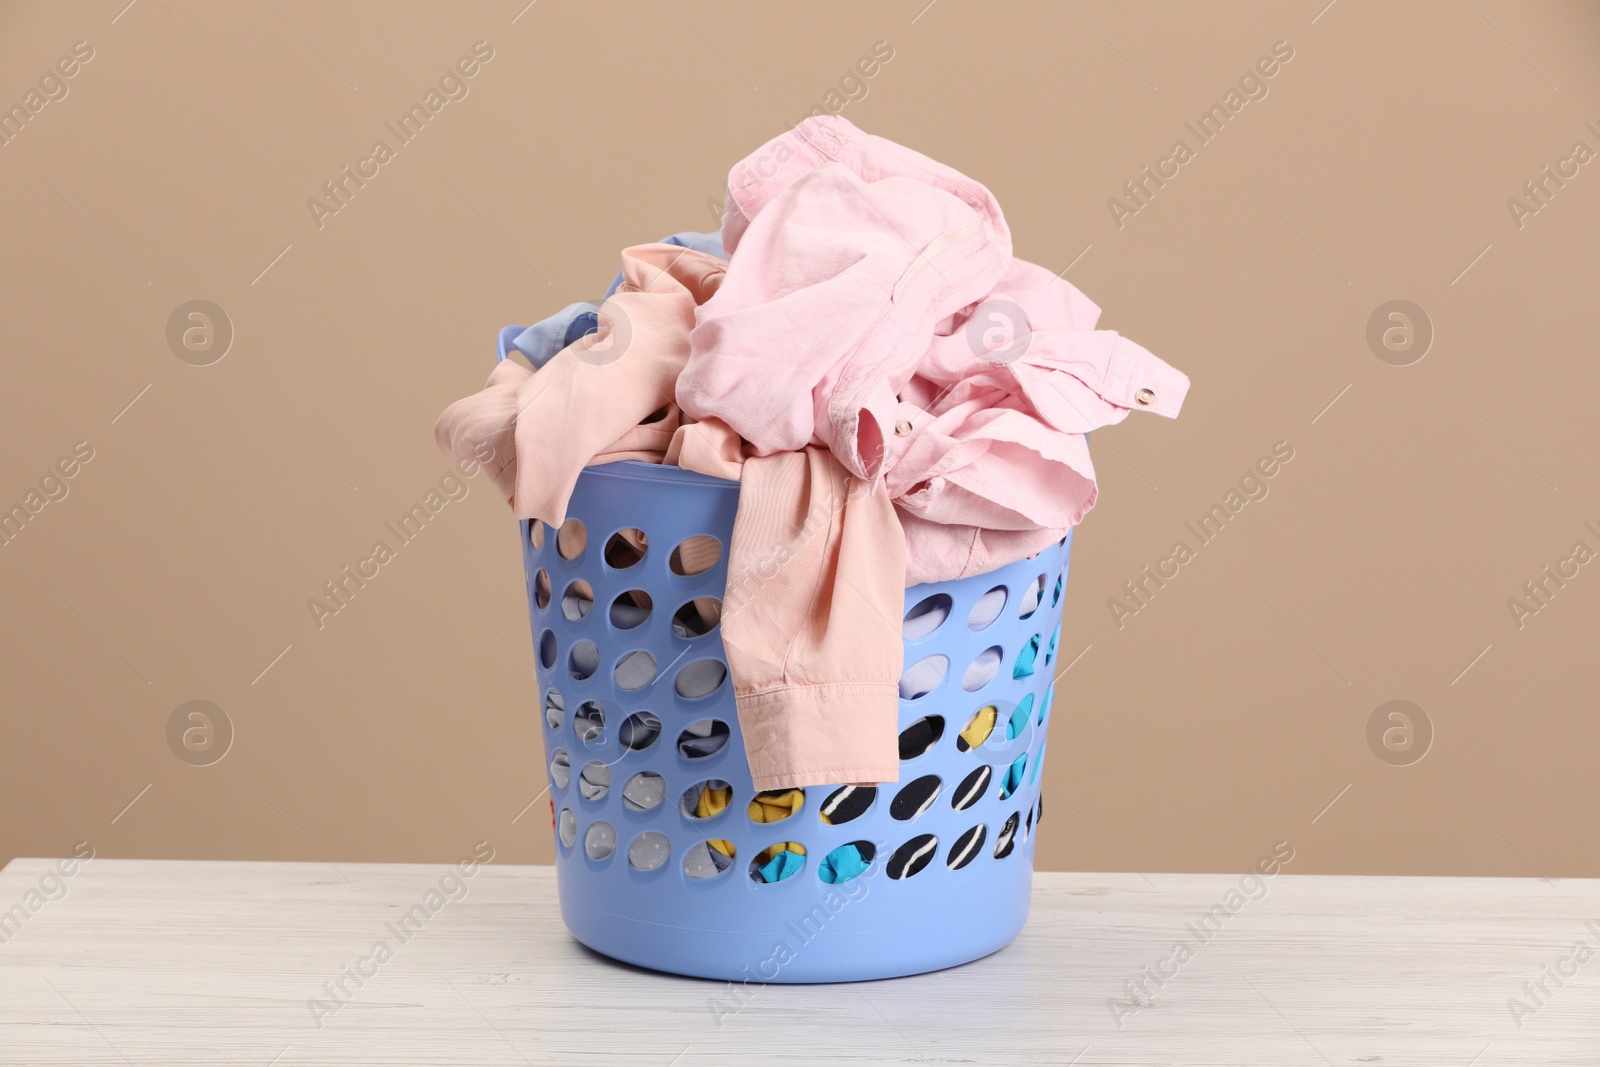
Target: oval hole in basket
[1032, 598]
[978, 728]
[639, 731]
[923, 676]
[578, 600]
[700, 678]
[572, 539]
[708, 859]
[972, 788]
[560, 768]
[625, 548]
[785, 859]
[697, 618]
[1006, 840]
[1011, 781]
[601, 841]
[631, 609]
[706, 800]
[644, 791]
[967, 847]
[987, 609]
[981, 671]
[776, 805]
[847, 862]
[702, 739]
[911, 858]
[1018, 723]
[695, 555]
[594, 781]
[589, 721]
[583, 660]
[921, 736]
[915, 797]
[925, 617]
[847, 804]
[634, 670]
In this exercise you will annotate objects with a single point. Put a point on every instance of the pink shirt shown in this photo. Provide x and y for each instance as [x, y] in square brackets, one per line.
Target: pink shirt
[872, 306]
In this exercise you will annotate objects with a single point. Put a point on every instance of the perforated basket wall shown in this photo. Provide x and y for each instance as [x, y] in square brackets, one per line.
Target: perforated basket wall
[624, 672]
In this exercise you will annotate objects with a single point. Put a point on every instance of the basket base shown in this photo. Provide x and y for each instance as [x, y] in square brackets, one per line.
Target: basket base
[824, 937]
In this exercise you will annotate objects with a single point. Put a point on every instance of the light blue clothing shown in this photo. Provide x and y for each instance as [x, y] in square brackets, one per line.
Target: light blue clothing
[543, 340]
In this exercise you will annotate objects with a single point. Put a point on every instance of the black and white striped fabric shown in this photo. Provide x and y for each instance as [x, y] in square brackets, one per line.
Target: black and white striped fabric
[1007, 839]
[915, 798]
[967, 847]
[911, 857]
[972, 788]
[921, 736]
[847, 802]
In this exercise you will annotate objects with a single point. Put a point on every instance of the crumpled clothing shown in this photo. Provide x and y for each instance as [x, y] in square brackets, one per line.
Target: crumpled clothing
[608, 398]
[544, 339]
[846, 862]
[702, 739]
[707, 859]
[705, 799]
[920, 737]
[872, 306]
[978, 728]
[777, 862]
[846, 804]
[901, 400]
[775, 805]
[709, 243]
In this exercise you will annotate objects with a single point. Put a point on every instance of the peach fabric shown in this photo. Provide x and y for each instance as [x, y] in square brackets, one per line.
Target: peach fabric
[593, 397]
[811, 622]
[811, 618]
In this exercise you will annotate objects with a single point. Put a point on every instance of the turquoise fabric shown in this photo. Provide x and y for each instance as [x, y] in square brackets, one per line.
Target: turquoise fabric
[842, 864]
[1019, 718]
[1013, 779]
[781, 866]
[1025, 658]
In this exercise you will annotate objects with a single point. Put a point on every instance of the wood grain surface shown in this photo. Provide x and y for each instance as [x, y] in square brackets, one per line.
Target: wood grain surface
[221, 963]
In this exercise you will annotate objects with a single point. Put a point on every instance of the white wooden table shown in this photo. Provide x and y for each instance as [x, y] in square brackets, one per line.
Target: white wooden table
[170, 963]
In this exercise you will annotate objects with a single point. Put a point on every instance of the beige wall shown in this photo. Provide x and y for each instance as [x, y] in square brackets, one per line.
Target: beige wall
[1221, 717]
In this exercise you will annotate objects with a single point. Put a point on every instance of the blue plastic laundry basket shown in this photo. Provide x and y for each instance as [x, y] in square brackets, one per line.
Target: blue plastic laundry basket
[618, 648]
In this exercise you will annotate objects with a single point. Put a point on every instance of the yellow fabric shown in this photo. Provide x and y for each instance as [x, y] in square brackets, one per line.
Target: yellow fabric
[722, 845]
[776, 805]
[712, 801]
[982, 725]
